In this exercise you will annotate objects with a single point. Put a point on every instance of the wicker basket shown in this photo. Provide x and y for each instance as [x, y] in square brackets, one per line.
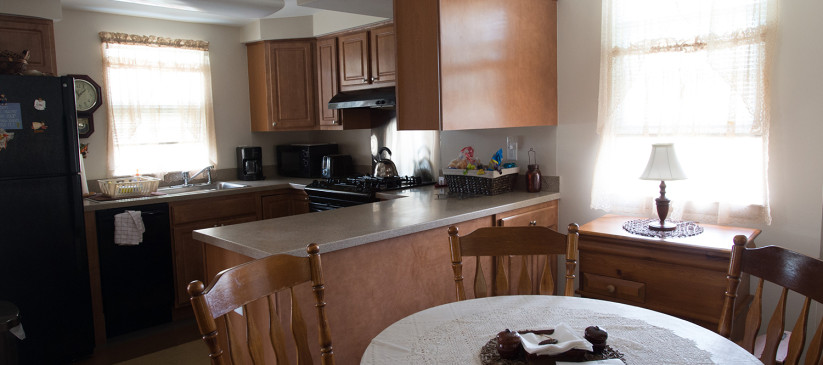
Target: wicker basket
[489, 183]
[129, 186]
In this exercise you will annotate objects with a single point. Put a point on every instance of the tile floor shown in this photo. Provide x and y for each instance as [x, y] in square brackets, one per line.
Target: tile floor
[194, 353]
[175, 343]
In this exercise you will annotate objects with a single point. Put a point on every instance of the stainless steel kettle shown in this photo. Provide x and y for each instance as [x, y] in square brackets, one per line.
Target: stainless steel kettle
[384, 167]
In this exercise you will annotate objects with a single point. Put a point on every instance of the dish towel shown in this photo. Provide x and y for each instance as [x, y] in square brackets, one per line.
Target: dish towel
[566, 340]
[128, 228]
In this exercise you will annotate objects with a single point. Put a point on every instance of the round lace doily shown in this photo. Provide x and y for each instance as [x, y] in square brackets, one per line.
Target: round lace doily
[683, 229]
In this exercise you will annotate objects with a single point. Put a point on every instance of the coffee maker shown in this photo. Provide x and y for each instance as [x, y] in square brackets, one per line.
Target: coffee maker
[250, 163]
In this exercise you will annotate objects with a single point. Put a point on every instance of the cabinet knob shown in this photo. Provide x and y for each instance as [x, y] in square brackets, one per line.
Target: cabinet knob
[365, 81]
[334, 122]
[533, 223]
[274, 124]
[373, 79]
[610, 288]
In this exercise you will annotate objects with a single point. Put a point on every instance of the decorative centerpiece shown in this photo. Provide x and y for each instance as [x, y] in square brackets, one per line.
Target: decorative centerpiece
[548, 347]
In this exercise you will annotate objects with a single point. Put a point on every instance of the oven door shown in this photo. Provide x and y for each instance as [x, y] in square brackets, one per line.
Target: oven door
[323, 199]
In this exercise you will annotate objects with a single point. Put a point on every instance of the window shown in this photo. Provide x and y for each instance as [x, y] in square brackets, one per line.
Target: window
[160, 105]
[694, 73]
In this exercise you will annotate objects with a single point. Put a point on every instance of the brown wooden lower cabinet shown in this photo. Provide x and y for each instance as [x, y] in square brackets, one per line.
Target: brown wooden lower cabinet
[190, 215]
[284, 203]
[683, 277]
[544, 214]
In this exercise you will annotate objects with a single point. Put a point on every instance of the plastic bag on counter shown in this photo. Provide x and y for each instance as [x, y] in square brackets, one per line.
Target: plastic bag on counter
[496, 162]
[464, 159]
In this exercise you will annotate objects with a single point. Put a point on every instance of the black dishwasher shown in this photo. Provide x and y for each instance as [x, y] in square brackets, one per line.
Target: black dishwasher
[137, 281]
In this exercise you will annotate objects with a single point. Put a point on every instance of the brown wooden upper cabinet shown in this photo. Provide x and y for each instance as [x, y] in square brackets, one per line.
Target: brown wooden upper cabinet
[33, 34]
[494, 66]
[282, 85]
[367, 58]
[327, 83]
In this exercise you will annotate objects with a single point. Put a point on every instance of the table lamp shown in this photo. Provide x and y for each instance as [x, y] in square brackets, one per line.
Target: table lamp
[663, 165]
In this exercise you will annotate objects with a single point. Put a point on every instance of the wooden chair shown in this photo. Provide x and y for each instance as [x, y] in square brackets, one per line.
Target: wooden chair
[790, 270]
[237, 287]
[500, 242]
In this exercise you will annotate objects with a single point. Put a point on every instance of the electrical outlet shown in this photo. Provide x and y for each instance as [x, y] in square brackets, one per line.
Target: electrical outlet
[511, 148]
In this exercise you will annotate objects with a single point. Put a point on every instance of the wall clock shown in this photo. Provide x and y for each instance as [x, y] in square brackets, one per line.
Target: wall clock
[87, 98]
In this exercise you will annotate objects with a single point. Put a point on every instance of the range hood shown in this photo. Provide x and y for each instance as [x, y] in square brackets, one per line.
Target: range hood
[367, 98]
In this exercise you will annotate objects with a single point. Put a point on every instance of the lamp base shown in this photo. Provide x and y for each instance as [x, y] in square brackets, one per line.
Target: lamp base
[666, 226]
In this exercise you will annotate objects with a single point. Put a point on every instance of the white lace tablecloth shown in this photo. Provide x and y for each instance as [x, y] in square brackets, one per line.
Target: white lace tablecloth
[454, 333]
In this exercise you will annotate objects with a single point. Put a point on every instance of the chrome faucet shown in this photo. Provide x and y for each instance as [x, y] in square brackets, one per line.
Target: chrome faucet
[187, 178]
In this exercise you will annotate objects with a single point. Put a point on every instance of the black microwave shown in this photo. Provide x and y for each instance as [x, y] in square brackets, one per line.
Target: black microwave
[302, 160]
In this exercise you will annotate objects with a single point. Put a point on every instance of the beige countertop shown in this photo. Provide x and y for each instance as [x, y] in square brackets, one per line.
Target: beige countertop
[417, 210]
[262, 185]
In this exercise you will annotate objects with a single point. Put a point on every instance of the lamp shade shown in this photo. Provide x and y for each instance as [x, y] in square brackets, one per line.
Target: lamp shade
[663, 164]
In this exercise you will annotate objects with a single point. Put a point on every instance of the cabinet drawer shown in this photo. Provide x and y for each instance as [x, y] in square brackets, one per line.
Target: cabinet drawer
[614, 288]
[216, 208]
[542, 215]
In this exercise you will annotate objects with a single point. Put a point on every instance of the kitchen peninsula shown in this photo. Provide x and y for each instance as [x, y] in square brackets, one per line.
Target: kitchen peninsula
[381, 261]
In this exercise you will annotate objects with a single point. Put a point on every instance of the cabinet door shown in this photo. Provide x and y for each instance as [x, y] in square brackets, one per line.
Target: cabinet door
[327, 83]
[354, 60]
[32, 34]
[281, 85]
[284, 204]
[189, 255]
[189, 264]
[277, 205]
[299, 202]
[383, 55]
[543, 215]
[190, 215]
[291, 75]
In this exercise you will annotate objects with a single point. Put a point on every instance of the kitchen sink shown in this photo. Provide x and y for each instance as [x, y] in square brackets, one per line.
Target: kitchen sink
[221, 185]
[227, 185]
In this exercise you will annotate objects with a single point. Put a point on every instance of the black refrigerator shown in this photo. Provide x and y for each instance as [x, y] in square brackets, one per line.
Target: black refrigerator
[43, 261]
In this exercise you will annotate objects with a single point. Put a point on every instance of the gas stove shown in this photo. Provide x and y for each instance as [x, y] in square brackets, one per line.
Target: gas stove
[342, 192]
[367, 183]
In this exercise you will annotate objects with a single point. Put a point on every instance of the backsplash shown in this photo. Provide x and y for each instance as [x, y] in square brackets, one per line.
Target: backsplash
[415, 153]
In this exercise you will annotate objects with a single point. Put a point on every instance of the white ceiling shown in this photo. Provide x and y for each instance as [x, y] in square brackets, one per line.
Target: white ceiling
[231, 12]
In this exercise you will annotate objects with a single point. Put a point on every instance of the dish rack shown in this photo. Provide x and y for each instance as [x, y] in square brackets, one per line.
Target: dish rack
[476, 183]
[124, 187]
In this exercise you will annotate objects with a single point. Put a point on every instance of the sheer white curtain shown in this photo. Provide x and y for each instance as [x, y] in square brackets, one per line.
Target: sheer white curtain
[160, 104]
[695, 73]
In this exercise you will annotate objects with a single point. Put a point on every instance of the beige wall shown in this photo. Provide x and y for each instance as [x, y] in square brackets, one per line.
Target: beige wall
[48, 9]
[795, 173]
[78, 52]
[322, 22]
[332, 21]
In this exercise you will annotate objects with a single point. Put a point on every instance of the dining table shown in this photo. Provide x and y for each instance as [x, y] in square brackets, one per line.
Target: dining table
[455, 333]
